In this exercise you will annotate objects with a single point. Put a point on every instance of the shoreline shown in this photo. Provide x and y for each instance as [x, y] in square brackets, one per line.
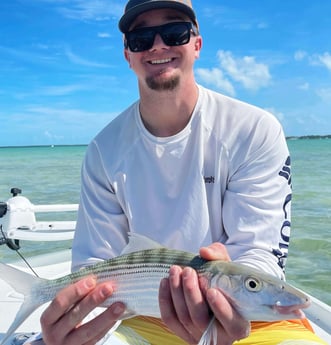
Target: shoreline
[308, 137]
[301, 137]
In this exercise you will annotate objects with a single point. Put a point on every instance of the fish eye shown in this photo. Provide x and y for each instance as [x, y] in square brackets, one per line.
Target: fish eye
[253, 284]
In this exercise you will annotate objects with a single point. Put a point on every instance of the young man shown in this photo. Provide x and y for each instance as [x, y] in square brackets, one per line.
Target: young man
[192, 170]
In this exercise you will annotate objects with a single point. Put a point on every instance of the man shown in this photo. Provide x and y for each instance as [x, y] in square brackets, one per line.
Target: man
[187, 167]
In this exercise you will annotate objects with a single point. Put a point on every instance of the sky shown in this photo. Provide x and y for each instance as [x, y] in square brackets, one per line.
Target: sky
[63, 76]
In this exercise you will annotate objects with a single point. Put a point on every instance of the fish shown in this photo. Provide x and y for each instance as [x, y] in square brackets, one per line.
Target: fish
[137, 274]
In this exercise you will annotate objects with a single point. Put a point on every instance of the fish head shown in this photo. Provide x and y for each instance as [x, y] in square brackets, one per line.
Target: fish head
[258, 296]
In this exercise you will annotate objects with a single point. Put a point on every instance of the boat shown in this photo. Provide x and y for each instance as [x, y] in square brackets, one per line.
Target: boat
[19, 221]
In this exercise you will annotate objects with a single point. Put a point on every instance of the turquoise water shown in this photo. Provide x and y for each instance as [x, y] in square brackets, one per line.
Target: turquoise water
[46, 175]
[52, 175]
[309, 264]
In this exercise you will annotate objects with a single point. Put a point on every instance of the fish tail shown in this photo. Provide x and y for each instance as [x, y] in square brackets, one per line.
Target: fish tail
[24, 284]
[209, 336]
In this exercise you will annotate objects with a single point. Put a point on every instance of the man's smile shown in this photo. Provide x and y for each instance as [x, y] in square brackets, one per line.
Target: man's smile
[160, 61]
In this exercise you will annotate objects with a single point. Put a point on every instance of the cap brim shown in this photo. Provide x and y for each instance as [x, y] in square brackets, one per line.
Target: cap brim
[130, 15]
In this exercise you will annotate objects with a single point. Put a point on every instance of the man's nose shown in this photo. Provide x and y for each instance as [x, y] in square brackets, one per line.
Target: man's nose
[158, 42]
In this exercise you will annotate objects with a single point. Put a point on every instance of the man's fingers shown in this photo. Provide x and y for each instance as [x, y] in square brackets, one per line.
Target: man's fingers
[97, 328]
[234, 325]
[216, 251]
[65, 299]
[60, 321]
[196, 304]
[169, 313]
[177, 294]
[165, 302]
[93, 299]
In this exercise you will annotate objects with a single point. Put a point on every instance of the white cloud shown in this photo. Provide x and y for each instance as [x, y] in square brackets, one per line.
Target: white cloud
[321, 60]
[27, 56]
[300, 55]
[245, 70]
[60, 122]
[103, 35]
[324, 94]
[262, 25]
[326, 60]
[233, 18]
[68, 115]
[215, 77]
[279, 115]
[304, 86]
[81, 61]
[62, 90]
[51, 136]
[98, 10]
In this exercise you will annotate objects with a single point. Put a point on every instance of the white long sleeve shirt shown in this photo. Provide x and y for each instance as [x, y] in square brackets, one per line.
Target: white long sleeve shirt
[225, 177]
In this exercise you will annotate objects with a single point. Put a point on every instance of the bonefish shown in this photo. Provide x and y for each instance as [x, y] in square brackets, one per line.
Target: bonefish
[137, 274]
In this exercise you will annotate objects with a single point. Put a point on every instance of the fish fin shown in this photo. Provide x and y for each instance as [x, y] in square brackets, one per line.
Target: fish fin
[139, 242]
[27, 308]
[23, 283]
[17, 279]
[128, 314]
[209, 336]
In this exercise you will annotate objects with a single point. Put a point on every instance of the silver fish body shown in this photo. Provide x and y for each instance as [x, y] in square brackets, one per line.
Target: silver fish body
[137, 276]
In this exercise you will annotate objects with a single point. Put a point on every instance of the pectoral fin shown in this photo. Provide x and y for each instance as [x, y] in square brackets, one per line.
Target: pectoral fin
[209, 336]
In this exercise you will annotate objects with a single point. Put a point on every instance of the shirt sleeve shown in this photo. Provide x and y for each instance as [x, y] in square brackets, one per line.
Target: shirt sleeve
[256, 209]
[101, 229]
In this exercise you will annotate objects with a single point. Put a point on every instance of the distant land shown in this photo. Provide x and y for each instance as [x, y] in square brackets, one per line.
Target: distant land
[64, 145]
[42, 145]
[309, 137]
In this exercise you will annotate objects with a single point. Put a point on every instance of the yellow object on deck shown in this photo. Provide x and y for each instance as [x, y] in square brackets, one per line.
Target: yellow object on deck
[151, 331]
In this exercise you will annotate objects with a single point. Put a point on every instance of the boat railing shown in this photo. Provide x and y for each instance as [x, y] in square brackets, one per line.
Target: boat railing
[19, 220]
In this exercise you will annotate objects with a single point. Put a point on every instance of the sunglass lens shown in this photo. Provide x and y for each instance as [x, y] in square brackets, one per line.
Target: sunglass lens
[140, 40]
[176, 35]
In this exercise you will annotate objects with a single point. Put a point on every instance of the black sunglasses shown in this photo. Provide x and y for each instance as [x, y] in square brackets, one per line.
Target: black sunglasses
[172, 34]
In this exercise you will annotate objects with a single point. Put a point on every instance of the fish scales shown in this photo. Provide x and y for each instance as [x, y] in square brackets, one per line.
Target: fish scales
[148, 261]
[136, 276]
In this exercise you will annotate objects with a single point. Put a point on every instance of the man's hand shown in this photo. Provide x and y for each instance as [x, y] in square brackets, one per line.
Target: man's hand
[61, 321]
[185, 308]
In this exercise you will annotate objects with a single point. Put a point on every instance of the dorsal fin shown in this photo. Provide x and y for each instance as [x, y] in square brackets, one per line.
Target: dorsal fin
[139, 242]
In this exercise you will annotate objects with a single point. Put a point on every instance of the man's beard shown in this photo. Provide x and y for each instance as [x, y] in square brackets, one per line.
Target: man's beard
[162, 85]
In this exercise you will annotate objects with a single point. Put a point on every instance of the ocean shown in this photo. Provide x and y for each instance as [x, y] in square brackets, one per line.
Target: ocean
[52, 175]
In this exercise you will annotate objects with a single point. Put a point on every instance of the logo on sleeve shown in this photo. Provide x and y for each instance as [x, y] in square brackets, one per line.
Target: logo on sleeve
[286, 171]
[282, 251]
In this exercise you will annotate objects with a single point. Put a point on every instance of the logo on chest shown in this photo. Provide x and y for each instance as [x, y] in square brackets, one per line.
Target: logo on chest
[209, 179]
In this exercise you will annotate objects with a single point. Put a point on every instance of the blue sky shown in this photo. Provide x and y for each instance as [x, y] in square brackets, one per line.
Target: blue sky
[63, 75]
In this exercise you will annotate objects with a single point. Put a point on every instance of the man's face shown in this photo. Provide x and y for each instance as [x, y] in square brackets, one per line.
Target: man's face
[163, 67]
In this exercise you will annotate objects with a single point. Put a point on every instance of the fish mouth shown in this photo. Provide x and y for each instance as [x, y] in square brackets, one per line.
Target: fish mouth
[293, 310]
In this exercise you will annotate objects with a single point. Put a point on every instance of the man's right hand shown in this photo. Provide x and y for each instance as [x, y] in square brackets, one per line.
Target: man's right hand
[61, 321]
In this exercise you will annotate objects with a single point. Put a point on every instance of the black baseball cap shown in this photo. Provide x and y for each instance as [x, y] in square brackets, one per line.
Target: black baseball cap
[135, 7]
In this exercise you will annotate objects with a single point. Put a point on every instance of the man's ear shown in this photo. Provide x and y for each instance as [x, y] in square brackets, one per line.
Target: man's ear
[127, 56]
[198, 46]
